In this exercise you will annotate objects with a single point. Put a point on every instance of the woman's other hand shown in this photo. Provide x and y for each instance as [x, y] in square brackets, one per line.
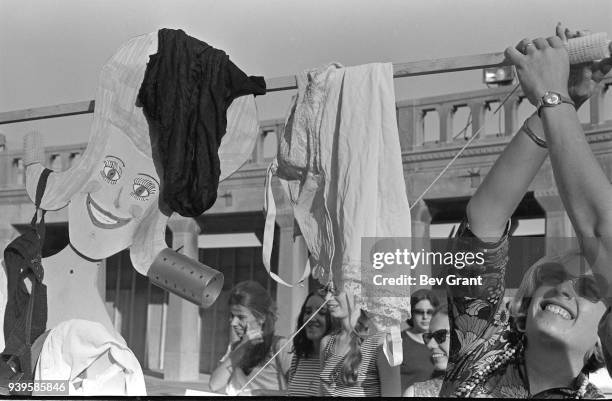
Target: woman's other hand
[583, 77]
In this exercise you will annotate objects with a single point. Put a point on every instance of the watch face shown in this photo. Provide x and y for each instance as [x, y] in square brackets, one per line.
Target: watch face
[551, 98]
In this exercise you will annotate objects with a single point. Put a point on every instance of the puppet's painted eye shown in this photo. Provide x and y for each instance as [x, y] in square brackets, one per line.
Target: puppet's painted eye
[110, 172]
[143, 188]
[140, 190]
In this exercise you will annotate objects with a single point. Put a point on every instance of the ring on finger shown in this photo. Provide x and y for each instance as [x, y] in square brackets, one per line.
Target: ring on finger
[527, 46]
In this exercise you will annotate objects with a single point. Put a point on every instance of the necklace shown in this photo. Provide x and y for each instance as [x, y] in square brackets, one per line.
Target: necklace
[465, 389]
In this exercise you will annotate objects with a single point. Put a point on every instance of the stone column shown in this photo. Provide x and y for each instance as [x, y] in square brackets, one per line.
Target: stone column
[182, 348]
[477, 117]
[510, 116]
[445, 113]
[596, 106]
[292, 256]
[421, 220]
[5, 165]
[560, 235]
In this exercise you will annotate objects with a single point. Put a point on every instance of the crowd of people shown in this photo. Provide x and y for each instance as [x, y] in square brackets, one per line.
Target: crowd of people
[542, 344]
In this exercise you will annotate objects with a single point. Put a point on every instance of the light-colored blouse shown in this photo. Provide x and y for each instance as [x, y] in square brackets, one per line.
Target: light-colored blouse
[272, 377]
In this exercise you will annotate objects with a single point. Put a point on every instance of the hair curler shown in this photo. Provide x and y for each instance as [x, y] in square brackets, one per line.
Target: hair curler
[588, 48]
[186, 277]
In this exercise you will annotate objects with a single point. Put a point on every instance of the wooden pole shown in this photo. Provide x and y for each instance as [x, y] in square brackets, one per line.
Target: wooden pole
[278, 84]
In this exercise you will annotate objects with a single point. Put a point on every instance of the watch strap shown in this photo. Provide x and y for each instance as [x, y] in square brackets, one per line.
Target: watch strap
[562, 99]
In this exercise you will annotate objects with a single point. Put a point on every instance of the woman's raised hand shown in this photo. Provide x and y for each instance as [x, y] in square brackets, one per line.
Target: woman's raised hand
[542, 65]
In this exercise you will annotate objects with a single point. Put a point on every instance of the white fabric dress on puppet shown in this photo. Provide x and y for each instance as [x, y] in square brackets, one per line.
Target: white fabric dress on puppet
[91, 359]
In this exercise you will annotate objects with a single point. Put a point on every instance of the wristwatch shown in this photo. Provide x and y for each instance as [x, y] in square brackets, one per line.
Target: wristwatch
[552, 99]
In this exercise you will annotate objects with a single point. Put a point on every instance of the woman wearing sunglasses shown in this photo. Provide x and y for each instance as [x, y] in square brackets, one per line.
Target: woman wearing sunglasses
[545, 345]
[305, 365]
[416, 362]
[438, 343]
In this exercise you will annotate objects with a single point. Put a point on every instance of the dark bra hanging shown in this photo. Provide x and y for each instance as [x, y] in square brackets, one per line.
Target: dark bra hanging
[25, 317]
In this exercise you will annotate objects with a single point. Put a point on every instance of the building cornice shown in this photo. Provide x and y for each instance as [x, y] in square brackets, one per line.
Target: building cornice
[492, 146]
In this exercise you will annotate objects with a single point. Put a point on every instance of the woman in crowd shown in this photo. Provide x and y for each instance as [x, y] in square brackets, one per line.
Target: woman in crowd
[551, 343]
[352, 360]
[305, 365]
[438, 343]
[416, 363]
[252, 344]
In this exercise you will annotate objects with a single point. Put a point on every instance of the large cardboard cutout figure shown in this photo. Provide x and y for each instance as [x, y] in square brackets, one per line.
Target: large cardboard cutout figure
[112, 191]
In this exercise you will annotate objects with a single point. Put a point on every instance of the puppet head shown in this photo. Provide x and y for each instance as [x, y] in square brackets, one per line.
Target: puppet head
[112, 190]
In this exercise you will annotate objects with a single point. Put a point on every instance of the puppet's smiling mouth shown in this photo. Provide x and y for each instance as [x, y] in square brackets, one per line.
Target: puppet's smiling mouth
[102, 218]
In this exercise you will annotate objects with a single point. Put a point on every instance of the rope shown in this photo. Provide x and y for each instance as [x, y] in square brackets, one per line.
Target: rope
[462, 149]
[464, 129]
[281, 348]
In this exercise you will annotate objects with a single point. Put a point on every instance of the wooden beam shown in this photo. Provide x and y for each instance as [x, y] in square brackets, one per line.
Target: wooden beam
[411, 69]
[450, 64]
[38, 113]
[415, 68]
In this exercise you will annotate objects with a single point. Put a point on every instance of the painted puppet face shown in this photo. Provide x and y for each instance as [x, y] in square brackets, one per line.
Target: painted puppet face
[104, 216]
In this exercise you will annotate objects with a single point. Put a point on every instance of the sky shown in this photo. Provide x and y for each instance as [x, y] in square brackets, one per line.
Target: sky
[51, 51]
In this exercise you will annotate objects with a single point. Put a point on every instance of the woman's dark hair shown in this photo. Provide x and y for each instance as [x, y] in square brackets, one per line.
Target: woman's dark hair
[419, 296]
[302, 346]
[253, 296]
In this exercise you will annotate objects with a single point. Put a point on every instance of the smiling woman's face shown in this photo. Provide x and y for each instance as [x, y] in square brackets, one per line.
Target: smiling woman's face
[104, 215]
[565, 310]
[317, 327]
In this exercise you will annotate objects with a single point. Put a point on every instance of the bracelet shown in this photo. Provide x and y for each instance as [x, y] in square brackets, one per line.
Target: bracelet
[536, 139]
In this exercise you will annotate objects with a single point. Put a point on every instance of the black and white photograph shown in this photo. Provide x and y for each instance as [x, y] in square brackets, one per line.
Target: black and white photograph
[306, 198]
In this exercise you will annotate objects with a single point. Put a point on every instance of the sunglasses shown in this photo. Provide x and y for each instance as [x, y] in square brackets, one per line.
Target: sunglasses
[438, 335]
[423, 312]
[590, 287]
